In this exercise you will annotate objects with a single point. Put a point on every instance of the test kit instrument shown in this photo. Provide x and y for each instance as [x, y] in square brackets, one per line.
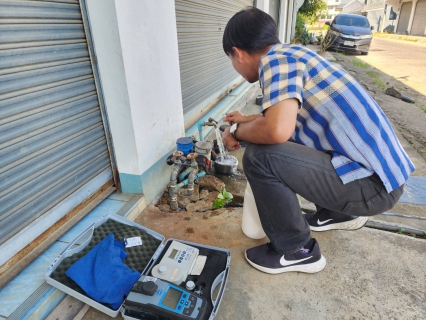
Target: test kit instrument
[151, 296]
[177, 263]
[198, 296]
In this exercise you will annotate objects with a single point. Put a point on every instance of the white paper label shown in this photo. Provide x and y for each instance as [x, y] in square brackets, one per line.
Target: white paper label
[149, 279]
[132, 242]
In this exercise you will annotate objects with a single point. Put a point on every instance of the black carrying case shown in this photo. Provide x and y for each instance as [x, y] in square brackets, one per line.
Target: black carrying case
[141, 258]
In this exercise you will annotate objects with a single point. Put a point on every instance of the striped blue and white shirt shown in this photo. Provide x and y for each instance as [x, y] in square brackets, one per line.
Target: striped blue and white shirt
[336, 115]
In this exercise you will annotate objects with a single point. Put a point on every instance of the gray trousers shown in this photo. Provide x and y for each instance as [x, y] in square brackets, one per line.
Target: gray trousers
[278, 172]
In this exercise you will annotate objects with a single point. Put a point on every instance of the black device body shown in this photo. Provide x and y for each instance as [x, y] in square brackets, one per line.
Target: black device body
[153, 298]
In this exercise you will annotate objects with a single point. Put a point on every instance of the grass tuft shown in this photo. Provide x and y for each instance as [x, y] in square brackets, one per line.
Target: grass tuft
[360, 64]
[373, 74]
[377, 81]
[380, 84]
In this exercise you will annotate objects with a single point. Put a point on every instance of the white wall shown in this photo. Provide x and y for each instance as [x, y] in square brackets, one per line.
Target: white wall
[106, 38]
[151, 62]
[137, 52]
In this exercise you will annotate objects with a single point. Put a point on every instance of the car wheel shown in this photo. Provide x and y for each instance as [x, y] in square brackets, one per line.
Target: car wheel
[364, 53]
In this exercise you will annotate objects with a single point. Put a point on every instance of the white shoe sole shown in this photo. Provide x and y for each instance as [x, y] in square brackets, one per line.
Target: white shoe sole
[307, 268]
[349, 225]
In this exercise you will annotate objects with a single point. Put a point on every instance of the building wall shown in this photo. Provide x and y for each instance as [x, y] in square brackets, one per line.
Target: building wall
[332, 8]
[378, 14]
[397, 4]
[353, 7]
[137, 53]
[376, 17]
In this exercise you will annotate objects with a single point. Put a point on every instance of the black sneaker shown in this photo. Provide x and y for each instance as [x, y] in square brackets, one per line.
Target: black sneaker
[325, 220]
[265, 258]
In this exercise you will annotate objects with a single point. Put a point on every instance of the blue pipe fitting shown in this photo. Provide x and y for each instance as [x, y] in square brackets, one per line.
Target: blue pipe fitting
[185, 182]
[184, 173]
[200, 129]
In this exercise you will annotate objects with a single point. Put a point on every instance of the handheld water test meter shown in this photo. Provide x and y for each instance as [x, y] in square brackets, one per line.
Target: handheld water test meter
[151, 297]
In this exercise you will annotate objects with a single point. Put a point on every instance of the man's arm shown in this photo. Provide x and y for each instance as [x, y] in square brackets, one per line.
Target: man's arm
[238, 117]
[276, 126]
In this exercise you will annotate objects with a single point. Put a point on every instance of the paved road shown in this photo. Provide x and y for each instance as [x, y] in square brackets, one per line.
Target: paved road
[403, 60]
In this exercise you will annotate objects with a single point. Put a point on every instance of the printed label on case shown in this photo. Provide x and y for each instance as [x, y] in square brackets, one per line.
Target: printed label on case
[132, 242]
[174, 272]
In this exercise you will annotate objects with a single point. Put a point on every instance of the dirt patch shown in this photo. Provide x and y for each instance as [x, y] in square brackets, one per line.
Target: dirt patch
[189, 230]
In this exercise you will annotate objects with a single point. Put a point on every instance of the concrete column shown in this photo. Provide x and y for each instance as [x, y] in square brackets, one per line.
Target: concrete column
[282, 26]
[413, 10]
[398, 14]
[137, 52]
[293, 7]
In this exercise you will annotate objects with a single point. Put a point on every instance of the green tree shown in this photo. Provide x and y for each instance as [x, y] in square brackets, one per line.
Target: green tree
[308, 14]
[311, 10]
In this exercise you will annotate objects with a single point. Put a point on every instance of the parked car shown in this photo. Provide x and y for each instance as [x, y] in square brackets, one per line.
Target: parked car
[351, 33]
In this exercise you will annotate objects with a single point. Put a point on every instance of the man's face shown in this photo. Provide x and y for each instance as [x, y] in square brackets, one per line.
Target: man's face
[245, 64]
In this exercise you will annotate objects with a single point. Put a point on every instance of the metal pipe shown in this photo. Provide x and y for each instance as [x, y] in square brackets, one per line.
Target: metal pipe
[200, 129]
[194, 170]
[389, 227]
[173, 180]
[174, 191]
[210, 122]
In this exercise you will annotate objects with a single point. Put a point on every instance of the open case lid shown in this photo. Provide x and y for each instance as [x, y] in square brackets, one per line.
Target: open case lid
[139, 257]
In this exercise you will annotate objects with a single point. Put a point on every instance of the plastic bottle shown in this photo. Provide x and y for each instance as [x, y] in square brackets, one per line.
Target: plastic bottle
[251, 225]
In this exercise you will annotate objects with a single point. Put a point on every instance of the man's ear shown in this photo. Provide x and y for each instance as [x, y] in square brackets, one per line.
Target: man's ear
[238, 53]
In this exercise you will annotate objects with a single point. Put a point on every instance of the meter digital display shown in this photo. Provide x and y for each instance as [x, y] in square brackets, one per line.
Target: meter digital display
[172, 298]
[173, 254]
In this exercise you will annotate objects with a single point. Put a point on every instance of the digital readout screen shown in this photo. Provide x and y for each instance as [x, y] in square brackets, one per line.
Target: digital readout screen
[172, 298]
[173, 254]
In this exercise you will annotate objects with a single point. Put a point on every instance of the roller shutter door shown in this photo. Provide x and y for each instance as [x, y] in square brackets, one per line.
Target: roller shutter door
[404, 17]
[52, 137]
[419, 20]
[206, 72]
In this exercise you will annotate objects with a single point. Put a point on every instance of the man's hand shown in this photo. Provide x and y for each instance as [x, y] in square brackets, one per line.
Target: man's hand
[229, 142]
[234, 117]
[276, 126]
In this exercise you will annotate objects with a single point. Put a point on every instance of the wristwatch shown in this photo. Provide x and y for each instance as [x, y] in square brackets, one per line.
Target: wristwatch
[233, 130]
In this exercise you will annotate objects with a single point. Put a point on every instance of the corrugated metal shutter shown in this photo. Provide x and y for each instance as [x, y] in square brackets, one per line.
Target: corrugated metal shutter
[52, 138]
[404, 17]
[205, 70]
[419, 20]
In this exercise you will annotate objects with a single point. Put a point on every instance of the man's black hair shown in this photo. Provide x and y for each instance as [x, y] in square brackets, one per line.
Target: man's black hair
[250, 29]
